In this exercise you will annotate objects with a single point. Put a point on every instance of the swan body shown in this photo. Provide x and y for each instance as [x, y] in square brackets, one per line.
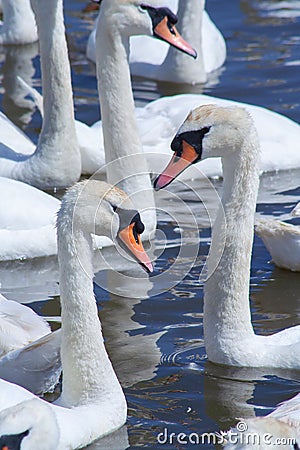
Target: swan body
[19, 25]
[19, 325]
[213, 131]
[36, 367]
[155, 60]
[56, 161]
[33, 415]
[159, 120]
[282, 241]
[92, 403]
[27, 221]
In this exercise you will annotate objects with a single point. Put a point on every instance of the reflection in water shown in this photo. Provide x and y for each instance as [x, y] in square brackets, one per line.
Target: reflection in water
[230, 392]
[133, 351]
[18, 63]
[277, 302]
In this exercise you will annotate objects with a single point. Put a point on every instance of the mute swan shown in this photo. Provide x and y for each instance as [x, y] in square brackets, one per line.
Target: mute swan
[56, 161]
[127, 166]
[19, 325]
[156, 61]
[282, 241]
[213, 131]
[92, 403]
[19, 24]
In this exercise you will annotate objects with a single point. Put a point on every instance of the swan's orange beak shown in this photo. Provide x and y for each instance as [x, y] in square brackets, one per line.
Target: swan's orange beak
[177, 165]
[132, 241]
[166, 31]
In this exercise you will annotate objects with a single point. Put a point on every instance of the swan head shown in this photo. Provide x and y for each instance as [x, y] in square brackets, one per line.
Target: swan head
[152, 18]
[208, 131]
[96, 207]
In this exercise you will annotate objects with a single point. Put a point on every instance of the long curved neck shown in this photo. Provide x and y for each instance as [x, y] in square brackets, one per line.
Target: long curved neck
[226, 293]
[58, 119]
[88, 375]
[183, 67]
[122, 144]
[19, 22]
[57, 154]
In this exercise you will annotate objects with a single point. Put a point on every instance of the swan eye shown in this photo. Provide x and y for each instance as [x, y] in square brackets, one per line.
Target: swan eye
[205, 130]
[142, 9]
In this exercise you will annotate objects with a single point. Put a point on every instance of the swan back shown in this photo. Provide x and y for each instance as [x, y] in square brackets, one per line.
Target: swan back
[31, 424]
[19, 25]
[19, 325]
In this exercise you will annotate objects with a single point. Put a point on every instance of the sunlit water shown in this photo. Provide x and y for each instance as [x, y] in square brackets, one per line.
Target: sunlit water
[156, 339]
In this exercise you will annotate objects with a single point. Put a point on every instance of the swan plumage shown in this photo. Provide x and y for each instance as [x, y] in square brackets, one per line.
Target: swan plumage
[126, 165]
[19, 325]
[27, 221]
[19, 25]
[159, 120]
[150, 59]
[229, 133]
[33, 415]
[56, 161]
[92, 403]
[282, 240]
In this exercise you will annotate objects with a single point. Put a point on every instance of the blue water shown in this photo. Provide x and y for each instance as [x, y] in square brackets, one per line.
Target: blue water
[156, 342]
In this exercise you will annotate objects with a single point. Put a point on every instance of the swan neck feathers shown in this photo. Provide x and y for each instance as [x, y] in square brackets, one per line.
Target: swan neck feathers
[227, 315]
[122, 143]
[180, 66]
[87, 371]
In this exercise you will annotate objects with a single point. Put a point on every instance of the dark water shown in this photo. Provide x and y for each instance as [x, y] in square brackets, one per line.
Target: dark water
[156, 342]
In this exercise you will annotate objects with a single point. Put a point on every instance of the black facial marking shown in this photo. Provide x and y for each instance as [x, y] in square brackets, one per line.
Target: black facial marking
[194, 138]
[12, 441]
[129, 216]
[158, 14]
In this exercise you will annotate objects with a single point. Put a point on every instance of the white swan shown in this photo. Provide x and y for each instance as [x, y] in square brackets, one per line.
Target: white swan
[56, 161]
[19, 325]
[92, 403]
[282, 241]
[156, 60]
[123, 149]
[212, 131]
[19, 25]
